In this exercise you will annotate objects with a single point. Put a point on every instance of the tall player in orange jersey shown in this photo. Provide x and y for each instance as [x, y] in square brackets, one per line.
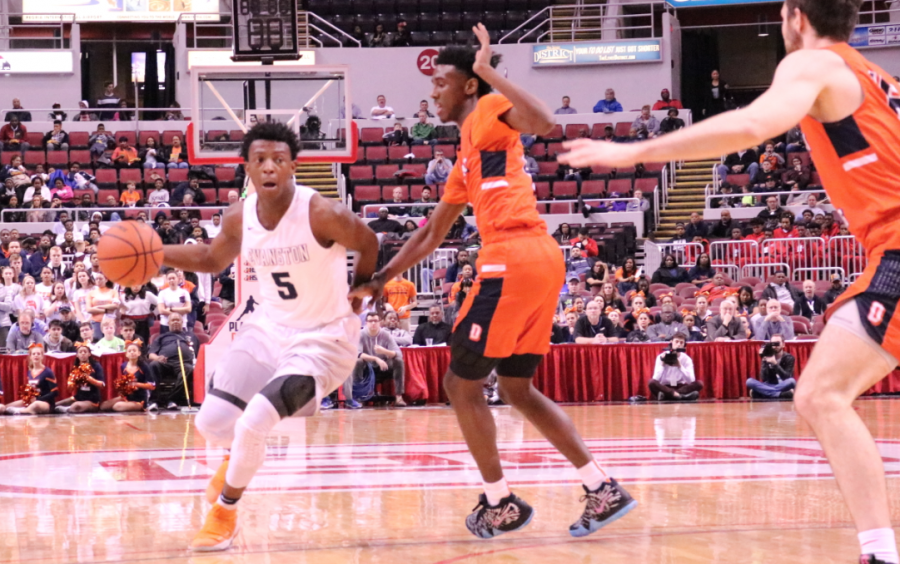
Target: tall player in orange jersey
[506, 320]
[849, 110]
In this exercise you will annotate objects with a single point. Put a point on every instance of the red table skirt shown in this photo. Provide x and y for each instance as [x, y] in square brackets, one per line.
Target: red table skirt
[13, 373]
[585, 373]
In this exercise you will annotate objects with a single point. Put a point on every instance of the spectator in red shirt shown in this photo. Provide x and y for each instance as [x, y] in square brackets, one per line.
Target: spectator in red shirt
[667, 102]
[12, 136]
[786, 230]
[757, 231]
[584, 242]
[829, 227]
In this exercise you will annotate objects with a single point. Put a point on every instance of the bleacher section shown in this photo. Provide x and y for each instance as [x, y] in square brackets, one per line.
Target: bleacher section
[430, 22]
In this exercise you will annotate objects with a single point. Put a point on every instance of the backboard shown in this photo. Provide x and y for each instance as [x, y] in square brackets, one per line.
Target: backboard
[228, 101]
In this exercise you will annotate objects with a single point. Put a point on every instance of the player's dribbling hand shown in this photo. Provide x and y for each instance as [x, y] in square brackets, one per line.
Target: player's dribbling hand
[584, 152]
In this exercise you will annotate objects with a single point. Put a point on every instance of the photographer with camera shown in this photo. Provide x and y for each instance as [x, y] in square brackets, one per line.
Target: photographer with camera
[776, 379]
[673, 377]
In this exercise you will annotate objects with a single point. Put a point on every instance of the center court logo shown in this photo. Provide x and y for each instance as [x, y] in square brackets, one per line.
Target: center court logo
[416, 466]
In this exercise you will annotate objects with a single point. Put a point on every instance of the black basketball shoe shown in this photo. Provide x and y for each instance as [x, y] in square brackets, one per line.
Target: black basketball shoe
[870, 559]
[606, 504]
[487, 522]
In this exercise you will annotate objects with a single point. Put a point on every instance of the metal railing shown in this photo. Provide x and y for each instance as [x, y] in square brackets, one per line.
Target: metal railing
[52, 214]
[206, 33]
[758, 197]
[40, 31]
[320, 26]
[610, 21]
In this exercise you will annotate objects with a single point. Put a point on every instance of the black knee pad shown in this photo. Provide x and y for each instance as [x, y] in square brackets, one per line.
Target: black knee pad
[468, 364]
[290, 393]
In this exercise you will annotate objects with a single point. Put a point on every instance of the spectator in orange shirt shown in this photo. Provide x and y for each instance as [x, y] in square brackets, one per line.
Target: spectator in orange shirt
[584, 242]
[401, 294]
[716, 289]
[770, 156]
[125, 156]
[130, 197]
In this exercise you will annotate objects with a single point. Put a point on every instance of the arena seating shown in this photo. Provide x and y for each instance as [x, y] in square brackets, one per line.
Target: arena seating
[430, 22]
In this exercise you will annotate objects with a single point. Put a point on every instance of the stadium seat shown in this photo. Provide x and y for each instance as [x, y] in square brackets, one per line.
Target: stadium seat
[210, 194]
[448, 150]
[598, 130]
[554, 149]
[177, 175]
[34, 158]
[79, 194]
[130, 135]
[236, 135]
[738, 179]
[127, 175]
[106, 178]
[80, 156]
[367, 194]
[207, 213]
[387, 192]
[79, 140]
[601, 171]
[143, 136]
[225, 176]
[451, 21]
[422, 152]
[539, 151]
[36, 140]
[384, 174]
[168, 135]
[654, 167]
[560, 208]
[223, 195]
[567, 189]
[623, 128]
[646, 185]
[593, 188]
[542, 190]
[621, 186]
[547, 170]
[371, 136]
[376, 154]
[361, 174]
[555, 135]
[574, 130]
[397, 154]
[58, 159]
[106, 193]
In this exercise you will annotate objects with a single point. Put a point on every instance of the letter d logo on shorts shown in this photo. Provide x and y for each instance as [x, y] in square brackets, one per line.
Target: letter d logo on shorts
[475, 333]
[876, 314]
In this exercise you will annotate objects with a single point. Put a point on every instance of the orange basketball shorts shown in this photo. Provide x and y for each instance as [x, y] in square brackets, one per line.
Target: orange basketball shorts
[509, 310]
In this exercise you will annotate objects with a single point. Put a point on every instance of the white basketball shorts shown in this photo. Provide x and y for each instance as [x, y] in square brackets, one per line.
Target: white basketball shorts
[264, 350]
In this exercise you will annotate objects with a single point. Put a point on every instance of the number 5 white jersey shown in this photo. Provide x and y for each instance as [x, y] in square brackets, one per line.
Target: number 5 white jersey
[302, 284]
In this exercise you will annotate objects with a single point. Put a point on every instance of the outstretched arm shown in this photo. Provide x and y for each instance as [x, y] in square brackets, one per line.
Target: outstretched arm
[529, 114]
[798, 82]
[423, 242]
[332, 222]
[215, 256]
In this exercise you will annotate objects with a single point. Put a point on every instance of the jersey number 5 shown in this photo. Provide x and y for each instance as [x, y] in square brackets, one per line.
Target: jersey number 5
[286, 290]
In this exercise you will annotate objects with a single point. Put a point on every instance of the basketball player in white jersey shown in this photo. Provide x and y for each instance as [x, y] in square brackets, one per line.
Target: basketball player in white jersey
[849, 111]
[301, 342]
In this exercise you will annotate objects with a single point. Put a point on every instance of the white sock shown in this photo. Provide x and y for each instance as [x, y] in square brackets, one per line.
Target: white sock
[496, 491]
[880, 543]
[227, 503]
[592, 475]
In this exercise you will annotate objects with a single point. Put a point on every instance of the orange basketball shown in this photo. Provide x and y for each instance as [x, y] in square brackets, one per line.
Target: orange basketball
[130, 253]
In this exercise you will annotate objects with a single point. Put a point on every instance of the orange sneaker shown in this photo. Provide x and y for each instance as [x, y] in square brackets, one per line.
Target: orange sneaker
[218, 531]
[214, 488]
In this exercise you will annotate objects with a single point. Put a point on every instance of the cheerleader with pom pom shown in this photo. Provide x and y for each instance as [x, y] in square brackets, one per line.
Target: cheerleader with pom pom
[133, 384]
[86, 379]
[39, 394]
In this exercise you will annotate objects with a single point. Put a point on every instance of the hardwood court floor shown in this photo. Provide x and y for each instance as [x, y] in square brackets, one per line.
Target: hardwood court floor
[716, 482]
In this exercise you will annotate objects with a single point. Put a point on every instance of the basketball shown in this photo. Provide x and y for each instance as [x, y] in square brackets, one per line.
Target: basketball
[130, 253]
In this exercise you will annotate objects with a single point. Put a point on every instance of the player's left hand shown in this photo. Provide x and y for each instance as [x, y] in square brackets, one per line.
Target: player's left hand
[483, 57]
[584, 152]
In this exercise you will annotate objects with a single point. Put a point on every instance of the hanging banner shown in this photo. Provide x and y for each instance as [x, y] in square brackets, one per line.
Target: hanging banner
[118, 10]
[597, 53]
[875, 36]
